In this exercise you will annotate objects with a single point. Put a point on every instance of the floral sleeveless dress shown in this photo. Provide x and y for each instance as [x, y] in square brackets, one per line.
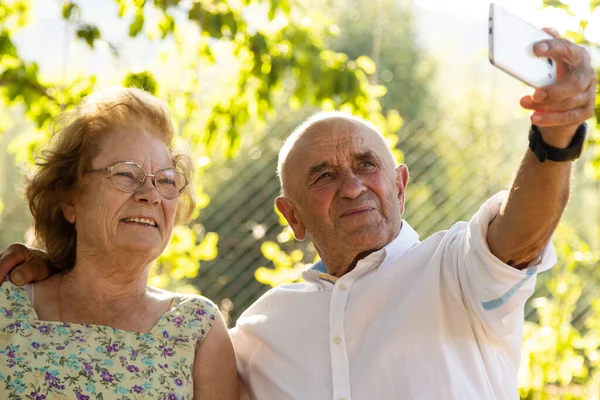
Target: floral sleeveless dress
[53, 360]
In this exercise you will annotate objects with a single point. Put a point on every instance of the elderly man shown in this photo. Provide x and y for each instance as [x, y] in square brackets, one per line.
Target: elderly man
[383, 315]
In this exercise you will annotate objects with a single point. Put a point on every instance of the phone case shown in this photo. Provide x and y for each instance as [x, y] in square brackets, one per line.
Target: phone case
[511, 43]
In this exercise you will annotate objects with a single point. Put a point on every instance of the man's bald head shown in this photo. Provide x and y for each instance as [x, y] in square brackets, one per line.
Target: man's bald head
[324, 122]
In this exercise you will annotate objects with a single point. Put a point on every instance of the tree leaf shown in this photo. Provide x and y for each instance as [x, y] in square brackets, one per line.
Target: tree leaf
[7, 48]
[557, 4]
[89, 33]
[142, 80]
[366, 64]
[137, 24]
[68, 8]
[166, 25]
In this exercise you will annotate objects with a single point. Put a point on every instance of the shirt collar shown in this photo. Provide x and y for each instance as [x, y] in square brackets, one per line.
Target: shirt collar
[404, 241]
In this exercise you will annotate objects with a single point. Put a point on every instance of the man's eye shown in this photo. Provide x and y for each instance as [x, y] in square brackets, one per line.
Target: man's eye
[368, 164]
[324, 175]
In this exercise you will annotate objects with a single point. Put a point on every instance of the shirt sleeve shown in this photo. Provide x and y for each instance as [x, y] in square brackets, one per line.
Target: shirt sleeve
[493, 292]
[246, 345]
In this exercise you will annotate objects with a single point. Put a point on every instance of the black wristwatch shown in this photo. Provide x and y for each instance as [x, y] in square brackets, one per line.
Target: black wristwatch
[543, 151]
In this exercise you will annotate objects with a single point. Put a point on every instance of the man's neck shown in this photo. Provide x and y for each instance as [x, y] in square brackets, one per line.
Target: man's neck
[348, 263]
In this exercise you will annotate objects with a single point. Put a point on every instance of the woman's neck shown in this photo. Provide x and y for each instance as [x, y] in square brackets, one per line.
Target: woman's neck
[104, 286]
[102, 292]
[107, 277]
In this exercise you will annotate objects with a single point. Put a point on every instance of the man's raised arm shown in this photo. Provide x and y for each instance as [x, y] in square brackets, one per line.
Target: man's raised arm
[540, 191]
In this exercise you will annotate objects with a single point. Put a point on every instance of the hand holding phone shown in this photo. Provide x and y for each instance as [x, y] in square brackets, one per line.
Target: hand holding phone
[511, 41]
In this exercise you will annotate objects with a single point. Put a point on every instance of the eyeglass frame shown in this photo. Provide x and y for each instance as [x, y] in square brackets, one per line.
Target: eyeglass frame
[146, 175]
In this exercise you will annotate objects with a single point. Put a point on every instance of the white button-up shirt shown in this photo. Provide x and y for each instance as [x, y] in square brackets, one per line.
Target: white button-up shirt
[441, 319]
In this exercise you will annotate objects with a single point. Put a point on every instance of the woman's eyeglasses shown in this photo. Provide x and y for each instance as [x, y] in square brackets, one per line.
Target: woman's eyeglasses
[128, 177]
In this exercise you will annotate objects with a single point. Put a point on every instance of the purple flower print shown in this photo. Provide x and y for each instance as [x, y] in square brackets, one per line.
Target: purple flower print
[8, 313]
[82, 397]
[171, 396]
[132, 368]
[14, 325]
[53, 381]
[44, 329]
[88, 368]
[36, 396]
[200, 311]
[167, 352]
[36, 345]
[178, 321]
[113, 348]
[60, 348]
[166, 335]
[179, 382]
[10, 354]
[137, 389]
[106, 376]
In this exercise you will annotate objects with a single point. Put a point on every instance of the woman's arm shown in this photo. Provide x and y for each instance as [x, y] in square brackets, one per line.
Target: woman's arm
[215, 373]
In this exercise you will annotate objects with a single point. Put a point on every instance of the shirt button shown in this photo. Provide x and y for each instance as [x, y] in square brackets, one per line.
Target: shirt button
[343, 289]
[337, 339]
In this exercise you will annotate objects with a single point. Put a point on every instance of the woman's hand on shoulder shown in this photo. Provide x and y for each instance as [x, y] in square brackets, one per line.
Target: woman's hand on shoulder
[215, 372]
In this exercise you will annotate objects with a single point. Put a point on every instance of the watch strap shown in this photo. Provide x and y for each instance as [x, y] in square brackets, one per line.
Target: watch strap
[543, 151]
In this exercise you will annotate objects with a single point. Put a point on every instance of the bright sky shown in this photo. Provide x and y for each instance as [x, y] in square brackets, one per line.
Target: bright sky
[526, 9]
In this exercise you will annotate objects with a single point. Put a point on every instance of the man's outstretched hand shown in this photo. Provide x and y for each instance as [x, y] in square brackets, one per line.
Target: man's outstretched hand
[558, 109]
[24, 264]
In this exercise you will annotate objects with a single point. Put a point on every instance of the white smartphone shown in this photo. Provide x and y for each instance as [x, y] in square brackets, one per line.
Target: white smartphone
[511, 43]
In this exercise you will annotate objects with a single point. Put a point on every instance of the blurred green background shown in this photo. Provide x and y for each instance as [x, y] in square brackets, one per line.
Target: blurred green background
[239, 75]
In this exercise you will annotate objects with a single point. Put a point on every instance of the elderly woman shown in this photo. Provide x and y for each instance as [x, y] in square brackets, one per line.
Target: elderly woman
[106, 197]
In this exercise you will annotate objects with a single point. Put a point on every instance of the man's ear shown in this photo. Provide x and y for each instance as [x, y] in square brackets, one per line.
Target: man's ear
[401, 178]
[401, 183]
[288, 210]
[68, 210]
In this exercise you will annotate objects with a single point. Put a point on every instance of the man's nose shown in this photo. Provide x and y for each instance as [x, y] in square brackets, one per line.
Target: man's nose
[351, 186]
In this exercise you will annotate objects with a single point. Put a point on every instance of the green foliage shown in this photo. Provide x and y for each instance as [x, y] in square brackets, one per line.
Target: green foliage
[182, 257]
[68, 9]
[557, 4]
[142, 80]
[89, 33]
[385, 30]
[561, 348]
[287, 266]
